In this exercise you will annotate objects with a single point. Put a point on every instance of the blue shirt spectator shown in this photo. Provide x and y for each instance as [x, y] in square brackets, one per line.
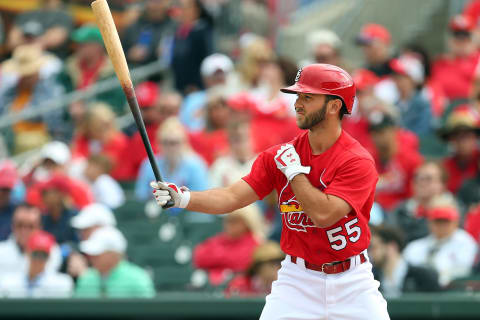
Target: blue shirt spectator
[416, 114]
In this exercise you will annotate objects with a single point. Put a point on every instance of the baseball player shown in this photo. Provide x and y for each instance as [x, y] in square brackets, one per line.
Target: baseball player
[325, 183]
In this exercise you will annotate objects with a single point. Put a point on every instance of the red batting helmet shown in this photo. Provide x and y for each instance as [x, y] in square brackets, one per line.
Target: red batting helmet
[323, 78]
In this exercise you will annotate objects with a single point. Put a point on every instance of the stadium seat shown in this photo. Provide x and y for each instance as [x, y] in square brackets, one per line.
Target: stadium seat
[172, 278]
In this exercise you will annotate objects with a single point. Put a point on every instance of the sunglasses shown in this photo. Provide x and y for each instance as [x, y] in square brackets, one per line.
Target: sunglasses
[171, 142]
[20, 225]
[39, 255]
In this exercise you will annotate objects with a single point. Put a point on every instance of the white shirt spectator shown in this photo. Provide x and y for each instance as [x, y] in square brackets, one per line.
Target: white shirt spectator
[108, 192]
[46, 285]
[12, 260]
[226, 170]
[452, 257]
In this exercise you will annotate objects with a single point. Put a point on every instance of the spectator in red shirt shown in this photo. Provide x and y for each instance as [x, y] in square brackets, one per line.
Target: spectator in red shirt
[396, 162]
[212, 142]
[231, 250]
[99, 134]
[461, 131]
[375, 41]
[455, 71]
[257, 281]
[357, 124]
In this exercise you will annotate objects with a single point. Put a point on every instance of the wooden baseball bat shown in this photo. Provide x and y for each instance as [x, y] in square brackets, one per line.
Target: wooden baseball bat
[105, 23]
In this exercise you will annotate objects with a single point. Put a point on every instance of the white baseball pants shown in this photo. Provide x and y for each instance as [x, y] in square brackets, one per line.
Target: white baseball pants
[301, 293]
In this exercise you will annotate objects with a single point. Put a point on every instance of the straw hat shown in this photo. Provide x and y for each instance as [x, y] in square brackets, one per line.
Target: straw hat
[26, 60]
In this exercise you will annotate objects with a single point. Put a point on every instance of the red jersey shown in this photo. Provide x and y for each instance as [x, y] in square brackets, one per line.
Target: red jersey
[345, 170]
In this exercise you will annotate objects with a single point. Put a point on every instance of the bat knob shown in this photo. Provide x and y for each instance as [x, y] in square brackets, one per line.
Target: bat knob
[170, 203]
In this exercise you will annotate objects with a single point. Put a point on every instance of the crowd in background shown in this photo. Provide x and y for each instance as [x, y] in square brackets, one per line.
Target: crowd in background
[216, 106]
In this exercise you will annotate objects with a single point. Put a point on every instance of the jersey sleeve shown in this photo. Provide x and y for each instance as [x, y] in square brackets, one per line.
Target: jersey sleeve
[354, 182]
[261, 177]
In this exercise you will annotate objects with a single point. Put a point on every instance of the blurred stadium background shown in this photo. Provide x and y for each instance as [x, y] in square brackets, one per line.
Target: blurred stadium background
[80, 235]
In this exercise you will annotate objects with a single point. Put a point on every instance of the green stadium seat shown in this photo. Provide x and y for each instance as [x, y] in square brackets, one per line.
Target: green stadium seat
[154, 254]
[172, 278]
[131, 210]
[196, 232]
[433, 147]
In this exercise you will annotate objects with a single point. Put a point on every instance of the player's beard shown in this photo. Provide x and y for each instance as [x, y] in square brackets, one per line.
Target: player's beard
[311, 120]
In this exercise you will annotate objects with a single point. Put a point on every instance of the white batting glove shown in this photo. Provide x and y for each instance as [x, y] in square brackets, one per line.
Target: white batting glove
[288, 161]
[165, 191]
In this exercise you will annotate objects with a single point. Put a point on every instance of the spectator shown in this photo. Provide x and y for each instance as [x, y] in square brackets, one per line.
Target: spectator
[469, 193]
[54, 159]
[168, 105]
[375, 42]
[88, 65]
[26, 84]
[50, 24]
[396, 161]
[455, 71]
[231, 250]
[357, 124]
[92, 217]
[324, 47]
[58, 212]
[216, 70]
[8, 179]
[212, 142]
[410, 216]
[192, 43]
[414, 108]
[26, 220]
[177, 163]
[111, 276]
[449, 250]
[104, 188]
[255, 53]
[97, 134]
[235, 165]
[38, 282]
[270, 109]
[260, 275]
[461, 131]
[149, 38]
[396, 276]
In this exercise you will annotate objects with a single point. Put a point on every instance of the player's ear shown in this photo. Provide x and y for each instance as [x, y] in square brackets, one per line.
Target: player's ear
[334, 106]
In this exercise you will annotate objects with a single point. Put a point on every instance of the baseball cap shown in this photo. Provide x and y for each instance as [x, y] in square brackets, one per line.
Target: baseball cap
[57, 182]
[32, 28]
[461, 119]
[379, 121]
[444, 213]
[88, 33]
[103, 240]
[461, 23]
[56, 151]
[95, 214]
[8, 174]
[323, 36]
[147, 94]
[410, 66]
[214, 63]
[364, 78]
[371, 32]
[40, 240]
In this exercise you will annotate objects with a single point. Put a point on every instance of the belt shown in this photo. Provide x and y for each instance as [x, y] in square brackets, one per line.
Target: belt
[331, 267]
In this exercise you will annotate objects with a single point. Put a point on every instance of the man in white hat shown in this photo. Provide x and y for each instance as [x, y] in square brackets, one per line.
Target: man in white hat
[90, 218]
[111, 275]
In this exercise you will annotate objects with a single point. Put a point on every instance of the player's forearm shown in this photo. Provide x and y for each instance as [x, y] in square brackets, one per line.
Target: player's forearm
[214, 201]
[315, 203]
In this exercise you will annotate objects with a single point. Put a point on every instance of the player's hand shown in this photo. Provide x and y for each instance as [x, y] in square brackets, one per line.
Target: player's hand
[165, 191]
[288, 161]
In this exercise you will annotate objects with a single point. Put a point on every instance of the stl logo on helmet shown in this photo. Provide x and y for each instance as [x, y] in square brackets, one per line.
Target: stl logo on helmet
[297, 77]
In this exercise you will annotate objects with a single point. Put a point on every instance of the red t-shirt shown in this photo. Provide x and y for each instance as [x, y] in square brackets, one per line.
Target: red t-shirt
[457, 174]
[210, 144]
[455, 75]
[345, 170]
